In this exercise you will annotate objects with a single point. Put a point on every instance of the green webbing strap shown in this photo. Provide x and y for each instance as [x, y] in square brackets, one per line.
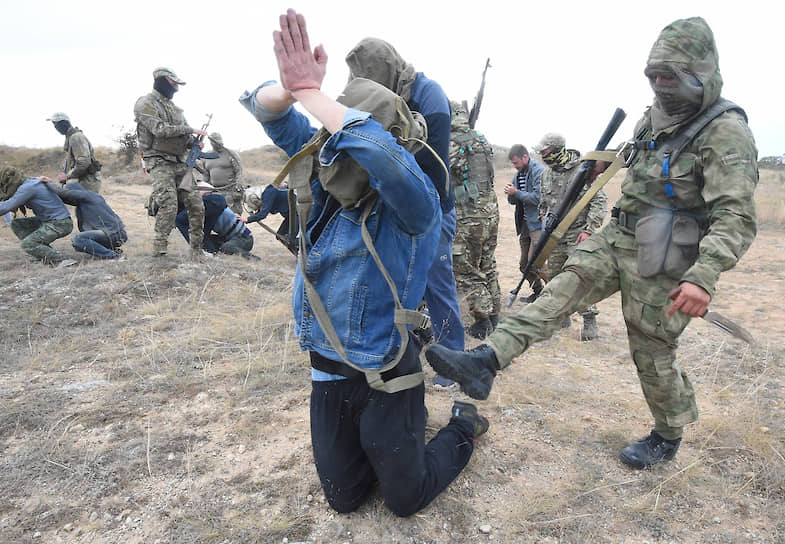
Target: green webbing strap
[299, 181]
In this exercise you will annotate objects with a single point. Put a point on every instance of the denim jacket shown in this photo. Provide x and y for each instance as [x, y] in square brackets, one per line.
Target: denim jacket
[404, 225]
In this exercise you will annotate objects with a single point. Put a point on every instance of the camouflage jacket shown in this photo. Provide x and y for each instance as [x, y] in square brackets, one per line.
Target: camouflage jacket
[716, 174]
[224, 171]
[79, 154]
[553, 185]
[161, 128]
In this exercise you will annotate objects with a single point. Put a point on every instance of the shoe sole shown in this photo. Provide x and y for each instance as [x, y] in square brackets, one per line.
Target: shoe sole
[639, 465]
[474, 382]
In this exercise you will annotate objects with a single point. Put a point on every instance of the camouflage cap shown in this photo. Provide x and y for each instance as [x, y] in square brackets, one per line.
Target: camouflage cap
[551, 139]
[58, 116]
[216, 137]
[162, 71]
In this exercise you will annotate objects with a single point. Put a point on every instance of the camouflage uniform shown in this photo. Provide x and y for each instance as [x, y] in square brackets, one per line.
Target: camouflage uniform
[477, 210]
[225, 173]
[165, 138]
[80, 160]
[714, 179]
[554, 183]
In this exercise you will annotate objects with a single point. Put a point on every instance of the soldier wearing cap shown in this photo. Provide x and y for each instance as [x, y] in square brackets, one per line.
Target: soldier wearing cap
[477, 227]
[80, 164]
[225, 173]
[165, 139]
[561, 163]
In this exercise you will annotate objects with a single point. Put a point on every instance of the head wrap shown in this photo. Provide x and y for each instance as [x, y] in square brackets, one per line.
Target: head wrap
[378, 61]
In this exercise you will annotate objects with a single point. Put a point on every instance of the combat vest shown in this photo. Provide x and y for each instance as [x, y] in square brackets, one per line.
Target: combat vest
[471, 166]
[169, 114]
[669, 229]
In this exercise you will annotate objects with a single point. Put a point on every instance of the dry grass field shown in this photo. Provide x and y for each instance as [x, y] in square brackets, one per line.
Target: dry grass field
[164, 402]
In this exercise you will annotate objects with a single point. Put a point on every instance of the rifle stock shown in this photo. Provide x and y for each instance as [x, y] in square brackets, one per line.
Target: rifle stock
[550, 235]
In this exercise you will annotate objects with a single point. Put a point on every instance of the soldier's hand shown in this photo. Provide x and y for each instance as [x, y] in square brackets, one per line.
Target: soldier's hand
[299, 67]
[199, 132]
[599, 168]
[60, 177]
[582, 236]
[689, 299]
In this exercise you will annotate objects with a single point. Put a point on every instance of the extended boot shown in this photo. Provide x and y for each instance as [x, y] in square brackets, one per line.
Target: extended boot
[649, 451]
[465, 411]
[480, 328]
[590, 330]
[494, 320]
[474, 369]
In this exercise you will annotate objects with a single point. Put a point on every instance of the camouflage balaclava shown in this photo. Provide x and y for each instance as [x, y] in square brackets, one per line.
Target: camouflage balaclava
[378, 61]
[685, 49]
[10, 180]
[343, 177]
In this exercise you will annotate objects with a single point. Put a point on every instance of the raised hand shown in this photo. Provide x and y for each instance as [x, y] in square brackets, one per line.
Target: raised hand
[299, 68]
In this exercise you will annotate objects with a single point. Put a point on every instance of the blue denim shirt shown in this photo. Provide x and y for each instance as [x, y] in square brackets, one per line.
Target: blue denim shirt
[36, 195]
[404, 225]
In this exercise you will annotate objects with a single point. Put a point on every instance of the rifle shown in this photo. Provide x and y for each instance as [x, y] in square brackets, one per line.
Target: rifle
[475, 113]
[574, 188]
[196, 149]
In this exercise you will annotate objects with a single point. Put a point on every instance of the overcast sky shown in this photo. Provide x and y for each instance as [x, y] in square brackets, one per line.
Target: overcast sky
[556, 66]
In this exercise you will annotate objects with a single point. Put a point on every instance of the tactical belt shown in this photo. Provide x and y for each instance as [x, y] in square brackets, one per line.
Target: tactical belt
[624, 219]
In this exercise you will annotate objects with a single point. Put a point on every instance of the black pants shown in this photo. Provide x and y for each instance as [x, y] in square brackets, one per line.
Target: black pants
[361, 436]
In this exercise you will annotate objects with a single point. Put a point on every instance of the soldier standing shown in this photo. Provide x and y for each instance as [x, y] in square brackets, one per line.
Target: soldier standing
[80, 163]
[682, 219]
[561, 163]
[225, 173]
[165, 139]
[477, 210]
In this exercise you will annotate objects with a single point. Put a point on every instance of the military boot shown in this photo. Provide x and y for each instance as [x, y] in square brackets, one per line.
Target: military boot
[590, 330]
[649, 451]
[474, 369]
[566, 323]
[465, 411]
[481, 328]
[494, 320]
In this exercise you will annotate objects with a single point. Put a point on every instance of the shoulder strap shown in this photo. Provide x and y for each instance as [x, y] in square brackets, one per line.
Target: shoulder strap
[669, 150]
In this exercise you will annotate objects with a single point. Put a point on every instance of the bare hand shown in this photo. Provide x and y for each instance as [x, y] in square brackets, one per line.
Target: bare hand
[46, 179]
[599, 168]
[509, 189]
[582, 236]
[689, 299]
[60, 177]
[299, 68]
[199, 132]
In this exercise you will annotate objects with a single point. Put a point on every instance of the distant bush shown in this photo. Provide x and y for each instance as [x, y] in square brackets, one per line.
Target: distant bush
[129, 146]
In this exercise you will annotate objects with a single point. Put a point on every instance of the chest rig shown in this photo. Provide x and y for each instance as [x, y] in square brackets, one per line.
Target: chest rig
[471, 165]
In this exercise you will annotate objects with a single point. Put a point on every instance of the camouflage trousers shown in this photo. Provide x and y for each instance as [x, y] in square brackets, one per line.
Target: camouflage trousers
[166, 180]
[556, 260]
[601, 266]
[91, 182]
[36, 235]
[474, 261]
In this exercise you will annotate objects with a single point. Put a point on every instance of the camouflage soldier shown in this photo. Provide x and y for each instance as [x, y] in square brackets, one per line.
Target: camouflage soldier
[165, 139]
[225, 173]
[477, 210]
[682, 219]
[561, 163]
[80, 163]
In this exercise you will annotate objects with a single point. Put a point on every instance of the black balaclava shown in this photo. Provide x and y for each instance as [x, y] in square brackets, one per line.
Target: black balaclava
[62, 126]
[163, 86]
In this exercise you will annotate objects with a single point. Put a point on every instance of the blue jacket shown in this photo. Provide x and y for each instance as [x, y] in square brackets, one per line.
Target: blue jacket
[218, 219]
[92, 211]
[34, 194]
[274, 200]
[428, 98]
[404, 225]
[527, 199]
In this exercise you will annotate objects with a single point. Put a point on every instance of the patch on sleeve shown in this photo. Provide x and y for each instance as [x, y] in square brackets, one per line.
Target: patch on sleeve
[734, 159]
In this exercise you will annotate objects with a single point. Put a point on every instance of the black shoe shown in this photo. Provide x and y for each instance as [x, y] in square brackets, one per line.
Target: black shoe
[468, 412]
[473, 369]
[494, 320]
[425, 335]
[649, 451]
[481, 328]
